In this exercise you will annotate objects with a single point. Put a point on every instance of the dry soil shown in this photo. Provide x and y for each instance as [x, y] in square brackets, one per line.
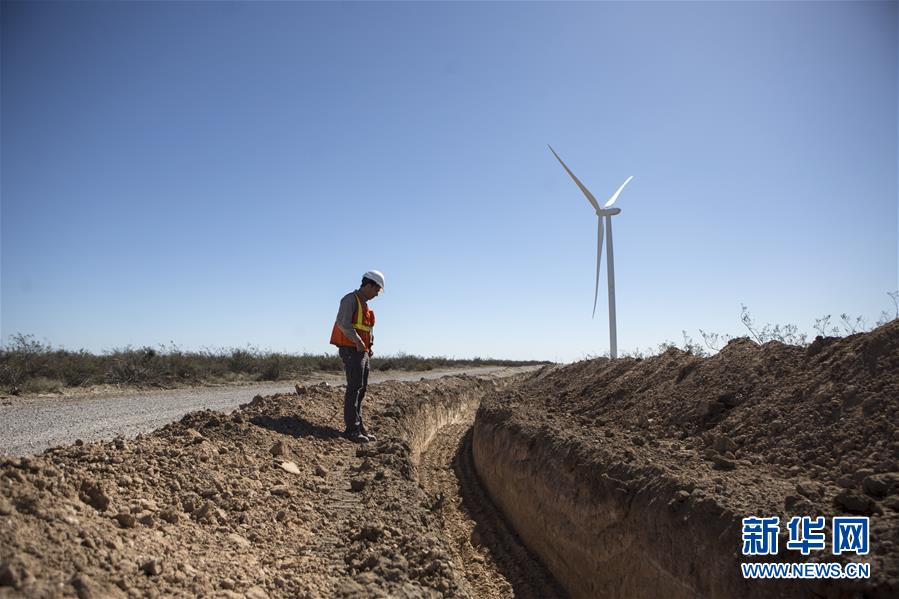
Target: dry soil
[624, 478]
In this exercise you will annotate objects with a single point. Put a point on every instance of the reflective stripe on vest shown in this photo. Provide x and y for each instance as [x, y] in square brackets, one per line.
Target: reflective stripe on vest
[358, 325]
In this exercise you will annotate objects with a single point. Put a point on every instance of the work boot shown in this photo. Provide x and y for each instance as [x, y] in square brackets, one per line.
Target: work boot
[356, 437]
[370, 436]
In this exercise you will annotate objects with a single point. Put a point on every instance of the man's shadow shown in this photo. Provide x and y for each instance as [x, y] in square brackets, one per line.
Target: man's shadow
[296, 427]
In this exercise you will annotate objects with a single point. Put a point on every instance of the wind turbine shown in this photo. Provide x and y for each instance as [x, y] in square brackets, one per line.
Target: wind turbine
[606, 212]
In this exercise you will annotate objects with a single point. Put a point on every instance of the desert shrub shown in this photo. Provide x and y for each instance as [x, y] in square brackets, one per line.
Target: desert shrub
[129, 366]
[788, 334]
[180, 366]
[241, 360]
[270, 368]
[79, 368]
[22, 359]
[328, 363]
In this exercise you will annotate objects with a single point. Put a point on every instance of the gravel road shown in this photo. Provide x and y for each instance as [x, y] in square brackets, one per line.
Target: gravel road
[32, 424]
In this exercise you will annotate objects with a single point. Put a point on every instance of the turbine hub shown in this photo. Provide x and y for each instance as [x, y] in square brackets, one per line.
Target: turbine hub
[608, 211]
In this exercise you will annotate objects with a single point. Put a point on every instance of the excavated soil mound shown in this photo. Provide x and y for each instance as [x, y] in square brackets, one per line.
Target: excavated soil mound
[630, 477]
[266, 501]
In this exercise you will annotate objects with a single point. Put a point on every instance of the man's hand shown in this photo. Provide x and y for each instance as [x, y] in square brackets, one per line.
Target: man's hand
[371, 352]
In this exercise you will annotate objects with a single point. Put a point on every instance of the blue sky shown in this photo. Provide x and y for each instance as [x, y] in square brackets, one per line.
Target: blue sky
[220, 174]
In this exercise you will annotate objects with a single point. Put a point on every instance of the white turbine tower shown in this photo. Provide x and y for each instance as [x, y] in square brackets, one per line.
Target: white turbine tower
[605, 212]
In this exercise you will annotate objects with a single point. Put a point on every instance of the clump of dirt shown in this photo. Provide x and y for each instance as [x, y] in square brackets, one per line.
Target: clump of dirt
[754, 430]
[266, 501]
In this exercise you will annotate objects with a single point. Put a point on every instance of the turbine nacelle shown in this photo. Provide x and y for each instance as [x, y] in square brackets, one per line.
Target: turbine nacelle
[608, 211]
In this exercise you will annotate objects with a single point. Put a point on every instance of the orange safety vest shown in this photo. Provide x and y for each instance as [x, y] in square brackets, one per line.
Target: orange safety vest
[363, 322]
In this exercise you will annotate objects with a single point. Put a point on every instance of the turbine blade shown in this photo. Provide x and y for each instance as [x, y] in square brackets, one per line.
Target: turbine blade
[615, 197]
[579, 184]
[598, 258]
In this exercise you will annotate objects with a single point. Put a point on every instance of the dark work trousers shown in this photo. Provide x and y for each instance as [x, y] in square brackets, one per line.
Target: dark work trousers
[355, 365]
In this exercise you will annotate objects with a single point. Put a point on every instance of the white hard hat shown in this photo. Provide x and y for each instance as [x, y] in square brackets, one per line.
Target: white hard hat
[377, 276]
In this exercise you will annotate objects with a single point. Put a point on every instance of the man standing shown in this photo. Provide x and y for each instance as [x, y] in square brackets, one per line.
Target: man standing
[352, 334]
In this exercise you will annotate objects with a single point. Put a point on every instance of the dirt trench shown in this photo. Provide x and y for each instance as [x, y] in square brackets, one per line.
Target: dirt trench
[607, 529]
[630, 478]
[490, 555]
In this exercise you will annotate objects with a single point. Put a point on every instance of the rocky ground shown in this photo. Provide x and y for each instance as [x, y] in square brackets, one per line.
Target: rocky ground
[266, 501]
[269, 501]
